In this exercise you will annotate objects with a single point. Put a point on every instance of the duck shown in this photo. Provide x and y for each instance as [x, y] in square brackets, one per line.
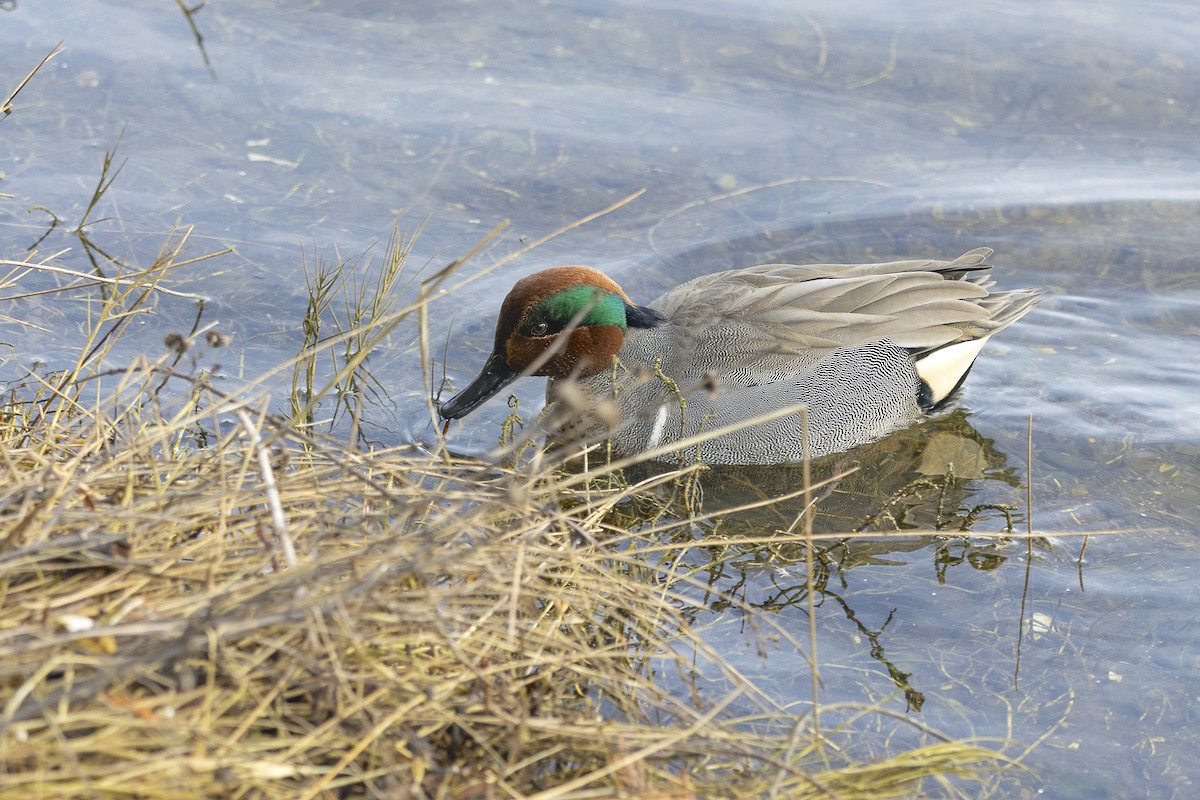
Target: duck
[775, 363]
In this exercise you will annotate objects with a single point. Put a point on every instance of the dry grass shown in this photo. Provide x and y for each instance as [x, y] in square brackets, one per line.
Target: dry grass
[197, 609]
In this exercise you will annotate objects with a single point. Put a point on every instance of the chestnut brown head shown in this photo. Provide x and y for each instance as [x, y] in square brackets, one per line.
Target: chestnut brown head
[560, 322]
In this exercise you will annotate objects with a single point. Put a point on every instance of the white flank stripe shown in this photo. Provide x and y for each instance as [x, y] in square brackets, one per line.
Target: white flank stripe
[660, 422]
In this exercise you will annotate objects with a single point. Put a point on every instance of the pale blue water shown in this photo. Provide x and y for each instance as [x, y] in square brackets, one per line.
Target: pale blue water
[1061, 134]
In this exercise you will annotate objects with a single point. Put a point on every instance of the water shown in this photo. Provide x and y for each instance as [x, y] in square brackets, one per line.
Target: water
[1061, 134]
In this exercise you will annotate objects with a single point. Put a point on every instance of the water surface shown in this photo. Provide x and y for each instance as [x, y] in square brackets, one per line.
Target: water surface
[1060, 134]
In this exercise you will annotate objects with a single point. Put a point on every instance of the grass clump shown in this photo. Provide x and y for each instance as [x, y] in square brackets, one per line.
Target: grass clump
[201, 599]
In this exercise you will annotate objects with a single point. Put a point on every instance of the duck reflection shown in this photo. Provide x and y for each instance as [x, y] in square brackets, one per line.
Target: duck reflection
[922, 489]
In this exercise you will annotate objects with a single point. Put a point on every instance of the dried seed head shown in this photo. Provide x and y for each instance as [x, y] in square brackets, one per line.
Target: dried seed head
[570, 396]
[176, 343]
[608, 413]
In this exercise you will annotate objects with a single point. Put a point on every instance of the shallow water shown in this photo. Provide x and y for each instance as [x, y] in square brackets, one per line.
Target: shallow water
[1060, 134]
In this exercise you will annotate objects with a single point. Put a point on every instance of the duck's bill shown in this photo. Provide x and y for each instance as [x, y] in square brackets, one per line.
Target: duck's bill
[495, 376]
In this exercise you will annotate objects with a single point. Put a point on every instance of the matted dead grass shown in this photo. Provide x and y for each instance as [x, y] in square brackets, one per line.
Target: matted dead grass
[199, 600]
[446, 630]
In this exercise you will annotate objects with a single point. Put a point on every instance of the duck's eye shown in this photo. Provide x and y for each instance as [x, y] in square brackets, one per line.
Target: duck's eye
[540, 329]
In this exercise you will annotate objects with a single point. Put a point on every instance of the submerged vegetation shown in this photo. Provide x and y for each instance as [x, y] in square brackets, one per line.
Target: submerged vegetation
[200, 597]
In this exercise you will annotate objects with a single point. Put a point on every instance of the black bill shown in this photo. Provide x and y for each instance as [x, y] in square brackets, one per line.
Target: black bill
[495, 376]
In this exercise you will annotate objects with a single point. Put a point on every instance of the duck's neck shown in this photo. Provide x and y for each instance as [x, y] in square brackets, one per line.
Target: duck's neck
[641, 317]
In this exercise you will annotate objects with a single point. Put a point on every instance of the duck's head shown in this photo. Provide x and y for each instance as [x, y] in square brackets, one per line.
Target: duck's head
[579, 305]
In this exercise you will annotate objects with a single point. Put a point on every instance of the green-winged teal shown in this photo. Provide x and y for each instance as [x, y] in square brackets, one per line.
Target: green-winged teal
[867, 347]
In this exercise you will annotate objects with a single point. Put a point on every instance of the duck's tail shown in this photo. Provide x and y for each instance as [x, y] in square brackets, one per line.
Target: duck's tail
[943, 369]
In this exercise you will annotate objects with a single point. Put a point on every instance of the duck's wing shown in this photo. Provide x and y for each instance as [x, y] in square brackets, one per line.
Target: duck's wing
[770, 323]
[786, 308]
